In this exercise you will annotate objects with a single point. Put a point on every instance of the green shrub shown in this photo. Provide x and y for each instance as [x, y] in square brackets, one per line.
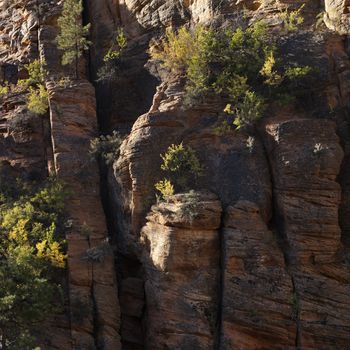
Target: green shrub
[241, 66]
[31, 253]
[36, 74]
[38, 100]
[292, 19]
[182, 167]
[165, 187]
[112, 59]
[4, 90]
[65, 82]
[107, 147]
[248, 110]
[118, 46]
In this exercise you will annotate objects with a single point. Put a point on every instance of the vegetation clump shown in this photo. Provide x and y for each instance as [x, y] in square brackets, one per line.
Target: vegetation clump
[36, 74]
[106, 147]
[4, 90]
[31, 253]
[182, 167]
[112, 59]
[292, 19]
[72, 39]
[38, 98]
[242, 66]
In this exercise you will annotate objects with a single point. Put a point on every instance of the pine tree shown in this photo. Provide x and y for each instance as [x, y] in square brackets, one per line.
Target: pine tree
[73, 36]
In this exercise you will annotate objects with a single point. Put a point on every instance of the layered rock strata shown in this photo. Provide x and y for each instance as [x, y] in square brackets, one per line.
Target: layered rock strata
[182, 264]
[307, 199]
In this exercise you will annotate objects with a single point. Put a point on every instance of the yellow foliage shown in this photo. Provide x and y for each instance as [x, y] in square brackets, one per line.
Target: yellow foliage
[19, 232]
[165, 187]
[267, 71]
[38, 100]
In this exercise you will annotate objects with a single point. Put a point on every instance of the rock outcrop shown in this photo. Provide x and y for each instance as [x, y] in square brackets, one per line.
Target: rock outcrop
[307, 199]
[257, 291]
[182, 272]
[261, 259]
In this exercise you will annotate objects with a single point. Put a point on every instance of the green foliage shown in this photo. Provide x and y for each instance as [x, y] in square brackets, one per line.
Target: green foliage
[272, 77]
[73, 35]
[36, 74]
[292, 19]
[106, 147]
[249, 109]
[118, 46]
[320, 19]
[31, 251]
[241, 66]
[179, 49]
[65, 82]
[165, 188]
[225, 126]
[182, 167]
[295, 73]
[38, 100]
[4, 90]
[112, 59]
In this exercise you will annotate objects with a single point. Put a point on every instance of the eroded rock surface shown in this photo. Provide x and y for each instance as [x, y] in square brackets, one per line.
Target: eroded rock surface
[257, 291]
[307, 203]
[263, 264]
[182, 268]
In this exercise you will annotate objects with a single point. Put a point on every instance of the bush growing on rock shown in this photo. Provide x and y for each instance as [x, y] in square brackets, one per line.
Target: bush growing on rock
[165, 187]
[241, 66]
[31, 253]
[292, 19]
[36, 74]
[182, 167]
[4, 90]
[38, 98]
[112, 59]
[106, 147]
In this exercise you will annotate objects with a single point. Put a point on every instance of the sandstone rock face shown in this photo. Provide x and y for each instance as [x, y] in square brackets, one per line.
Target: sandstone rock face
[301, 173]
[264, 261]
[73, 124]
[257, 291]
[182, 289]
[307, 200]
[18, 30]
[137, 170]
[337, 15]
[38, 145]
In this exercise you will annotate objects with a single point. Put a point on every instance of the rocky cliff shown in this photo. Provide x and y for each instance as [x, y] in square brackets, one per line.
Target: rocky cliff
[263, 263]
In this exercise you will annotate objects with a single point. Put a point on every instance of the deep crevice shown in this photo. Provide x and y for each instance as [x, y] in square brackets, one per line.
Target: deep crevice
[276, 225]
[85, 21]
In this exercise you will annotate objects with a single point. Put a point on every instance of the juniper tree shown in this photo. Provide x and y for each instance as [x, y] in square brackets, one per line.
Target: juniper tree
[73, 35]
